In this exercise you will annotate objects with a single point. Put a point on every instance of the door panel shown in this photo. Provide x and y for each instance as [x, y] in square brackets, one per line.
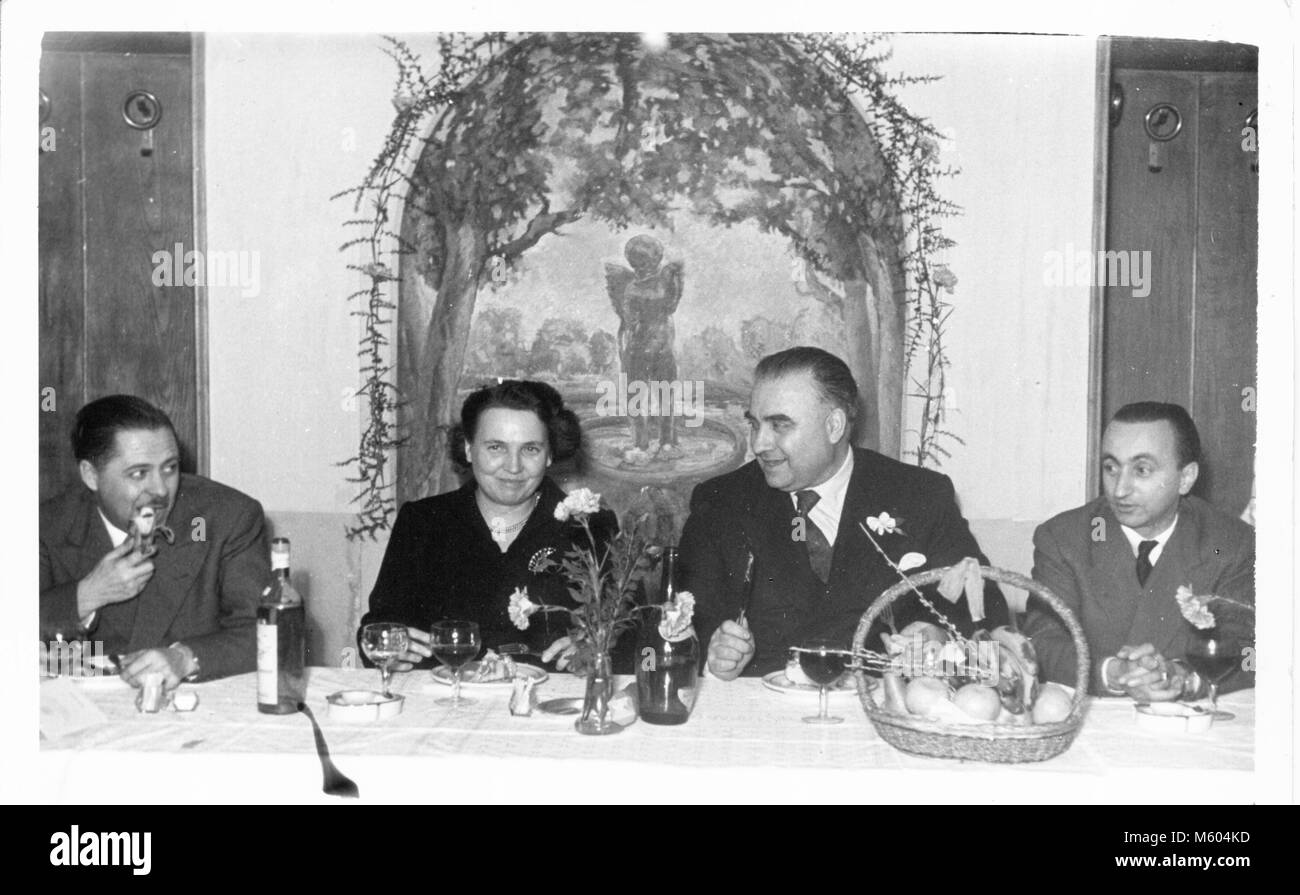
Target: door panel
[1227, 264]
[61, 347]
[1192, 340]
[105, 210]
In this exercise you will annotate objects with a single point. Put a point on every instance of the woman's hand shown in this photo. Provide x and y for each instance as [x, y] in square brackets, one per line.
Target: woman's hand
[417, 650]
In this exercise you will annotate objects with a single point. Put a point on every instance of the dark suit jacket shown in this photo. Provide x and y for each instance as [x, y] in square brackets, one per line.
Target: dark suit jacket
[204, 590]
[441, 563]
[790, 603]
[1084, 558]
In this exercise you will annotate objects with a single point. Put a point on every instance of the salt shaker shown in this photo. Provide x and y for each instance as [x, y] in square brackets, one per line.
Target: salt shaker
[522, 696]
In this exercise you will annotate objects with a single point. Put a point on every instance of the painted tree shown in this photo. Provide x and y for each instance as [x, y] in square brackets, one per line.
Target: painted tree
[526, 134]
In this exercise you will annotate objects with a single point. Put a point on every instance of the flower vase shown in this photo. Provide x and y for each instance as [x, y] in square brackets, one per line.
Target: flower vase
[597, 715]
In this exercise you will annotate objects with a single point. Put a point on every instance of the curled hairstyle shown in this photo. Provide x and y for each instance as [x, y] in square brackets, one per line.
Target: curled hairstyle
[563, 432]
[94, 434]
[1187, 441]
[831, 374]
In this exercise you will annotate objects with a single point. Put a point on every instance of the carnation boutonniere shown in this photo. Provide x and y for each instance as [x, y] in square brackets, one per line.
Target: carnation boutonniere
[885, 524]
[1196, 609]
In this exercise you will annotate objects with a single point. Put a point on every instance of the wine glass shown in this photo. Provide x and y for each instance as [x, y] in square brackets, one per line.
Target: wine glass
[1213, 655]
[823, 661]
[453, 643]
[384, 644]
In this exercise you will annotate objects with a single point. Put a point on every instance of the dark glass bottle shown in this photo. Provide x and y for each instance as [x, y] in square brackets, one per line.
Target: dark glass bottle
[667, 670]
[281, 639]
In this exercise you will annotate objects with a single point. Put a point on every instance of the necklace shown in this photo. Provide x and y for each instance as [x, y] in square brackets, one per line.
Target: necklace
[503, 533]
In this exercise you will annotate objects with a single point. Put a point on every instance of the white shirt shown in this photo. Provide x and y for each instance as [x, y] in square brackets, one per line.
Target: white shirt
[115, 534]
[1134, 539]
[830, 504]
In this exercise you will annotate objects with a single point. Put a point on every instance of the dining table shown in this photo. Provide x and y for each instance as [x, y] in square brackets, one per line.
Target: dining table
[744, 742]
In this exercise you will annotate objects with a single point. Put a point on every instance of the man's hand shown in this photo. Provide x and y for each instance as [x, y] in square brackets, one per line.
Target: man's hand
[1145, 675]
[730, 649]
[172, 665]
[417, 650]
[119, 576]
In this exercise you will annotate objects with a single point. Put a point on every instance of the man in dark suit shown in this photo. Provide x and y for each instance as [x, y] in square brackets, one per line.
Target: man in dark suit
[796, 509]
[1119, 560]
[183, 608]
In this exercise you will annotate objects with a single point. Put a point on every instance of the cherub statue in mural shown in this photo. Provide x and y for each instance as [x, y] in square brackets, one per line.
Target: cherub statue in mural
[645, 298]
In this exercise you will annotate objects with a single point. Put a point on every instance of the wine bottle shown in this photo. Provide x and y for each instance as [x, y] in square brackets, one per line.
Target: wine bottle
[667, 670]
[281, 639]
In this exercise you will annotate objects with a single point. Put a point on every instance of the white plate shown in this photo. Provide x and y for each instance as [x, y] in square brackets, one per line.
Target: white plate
[776, 680]
[442, 675]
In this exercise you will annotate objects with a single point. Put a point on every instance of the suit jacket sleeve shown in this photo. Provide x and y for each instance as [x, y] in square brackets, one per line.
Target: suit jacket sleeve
[391, 597]
[1237, 581]
[58, 616]
[244, 572]
[1057, 655]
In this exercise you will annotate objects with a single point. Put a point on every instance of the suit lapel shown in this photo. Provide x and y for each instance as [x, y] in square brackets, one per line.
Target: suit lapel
[88, 536]
[853, 552]
[1113, 559]
[1179, 558]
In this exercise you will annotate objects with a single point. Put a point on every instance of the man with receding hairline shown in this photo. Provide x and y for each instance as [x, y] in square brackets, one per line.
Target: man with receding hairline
[1119, 560]
[181, 607]
[797, 509]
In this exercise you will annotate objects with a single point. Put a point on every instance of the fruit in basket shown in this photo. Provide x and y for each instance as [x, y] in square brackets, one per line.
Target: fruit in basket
[1017, 682]
[924, 693]
[1052, 705]
[980, 701]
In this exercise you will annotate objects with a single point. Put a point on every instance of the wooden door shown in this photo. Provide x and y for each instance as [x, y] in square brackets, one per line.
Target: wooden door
[1194, 207]
[111, 198]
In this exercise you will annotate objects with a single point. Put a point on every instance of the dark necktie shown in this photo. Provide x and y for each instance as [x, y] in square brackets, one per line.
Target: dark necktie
[1144, 561]
[819, 549]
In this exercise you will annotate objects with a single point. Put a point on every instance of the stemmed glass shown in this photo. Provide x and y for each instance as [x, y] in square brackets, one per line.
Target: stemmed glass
[823, 661]
[453, 643]
[1213, 655]
[384, 644]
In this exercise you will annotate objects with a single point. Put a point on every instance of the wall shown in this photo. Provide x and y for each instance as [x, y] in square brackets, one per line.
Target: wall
[1018, 112]
[291, 119]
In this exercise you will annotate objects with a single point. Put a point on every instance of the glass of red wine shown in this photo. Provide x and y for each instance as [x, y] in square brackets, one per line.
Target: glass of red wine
[384, 644]
[1213, 655]
[453, 643]
[823, 661]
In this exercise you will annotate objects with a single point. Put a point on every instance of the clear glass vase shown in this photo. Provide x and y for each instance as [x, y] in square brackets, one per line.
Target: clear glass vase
[597, 714]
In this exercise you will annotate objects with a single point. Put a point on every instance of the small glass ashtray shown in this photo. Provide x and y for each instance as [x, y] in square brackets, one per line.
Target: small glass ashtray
[1173, 717]
[363, 705]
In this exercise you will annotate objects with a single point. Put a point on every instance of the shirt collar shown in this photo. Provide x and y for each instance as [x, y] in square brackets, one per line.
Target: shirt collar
[831, 492]
[115, 534]
[1134, 539]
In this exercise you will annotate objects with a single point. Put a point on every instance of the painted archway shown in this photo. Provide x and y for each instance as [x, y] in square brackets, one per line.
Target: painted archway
[601, 137]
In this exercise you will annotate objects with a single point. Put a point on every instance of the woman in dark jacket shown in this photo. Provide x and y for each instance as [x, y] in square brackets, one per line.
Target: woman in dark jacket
[461, 554]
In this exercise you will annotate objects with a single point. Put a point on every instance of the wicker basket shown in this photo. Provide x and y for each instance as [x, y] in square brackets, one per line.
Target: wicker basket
[976, 742]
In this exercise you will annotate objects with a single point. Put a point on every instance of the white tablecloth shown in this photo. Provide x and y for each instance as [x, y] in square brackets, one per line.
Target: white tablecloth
[743, 742]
